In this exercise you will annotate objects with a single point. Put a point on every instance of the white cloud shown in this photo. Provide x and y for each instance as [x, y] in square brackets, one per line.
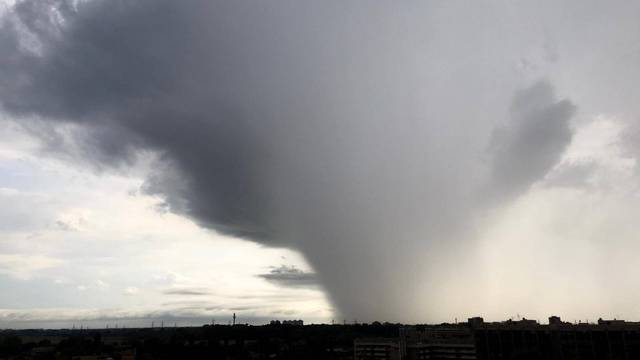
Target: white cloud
[73, 219]
[100, 284]
[597, 154]
[26, 266]
[116, 240]
[131, 290]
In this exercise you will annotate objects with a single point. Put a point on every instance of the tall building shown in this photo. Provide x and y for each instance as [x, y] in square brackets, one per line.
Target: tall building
[428, 343]
[377, 349]
[438, 342]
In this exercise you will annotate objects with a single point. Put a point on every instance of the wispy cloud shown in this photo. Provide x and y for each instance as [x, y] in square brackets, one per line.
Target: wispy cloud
[186, 291]
[290, 276]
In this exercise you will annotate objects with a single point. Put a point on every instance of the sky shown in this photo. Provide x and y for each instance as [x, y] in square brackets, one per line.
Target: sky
[86, 248]
[415, 161]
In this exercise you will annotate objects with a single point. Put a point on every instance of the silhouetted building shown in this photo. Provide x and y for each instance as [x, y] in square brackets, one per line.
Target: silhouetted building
[555, 320]
[429, 343]
[557, 341]
[475, 321]
[293, 322]
[611, 322]
[287, 322]
[512, 339]
[437, 342]
[376, 349]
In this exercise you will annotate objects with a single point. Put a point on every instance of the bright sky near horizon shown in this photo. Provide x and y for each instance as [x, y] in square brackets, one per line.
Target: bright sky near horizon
[85, 247]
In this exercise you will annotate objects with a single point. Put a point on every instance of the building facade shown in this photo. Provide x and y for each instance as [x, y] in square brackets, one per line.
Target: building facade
[377, 349]
[521, 340]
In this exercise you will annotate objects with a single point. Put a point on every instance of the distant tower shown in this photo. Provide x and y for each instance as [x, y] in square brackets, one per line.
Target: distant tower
[234, 318]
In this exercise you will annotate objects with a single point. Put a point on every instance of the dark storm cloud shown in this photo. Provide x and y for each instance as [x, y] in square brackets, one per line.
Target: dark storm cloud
[532, 141]
[350, 131]
[136, 82]
[290, 276]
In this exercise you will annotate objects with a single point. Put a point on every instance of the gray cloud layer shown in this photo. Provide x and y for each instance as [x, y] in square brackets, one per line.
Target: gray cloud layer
[290, 276]
[353, 132]
[194, 292]
[526, 148]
